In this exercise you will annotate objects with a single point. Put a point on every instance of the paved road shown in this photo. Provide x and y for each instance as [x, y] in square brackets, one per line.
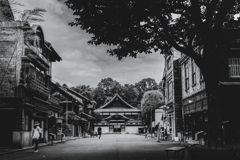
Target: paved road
[109, 147]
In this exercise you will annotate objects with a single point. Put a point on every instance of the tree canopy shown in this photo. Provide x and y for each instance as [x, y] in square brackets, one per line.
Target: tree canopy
[200, 29]
[138, 26]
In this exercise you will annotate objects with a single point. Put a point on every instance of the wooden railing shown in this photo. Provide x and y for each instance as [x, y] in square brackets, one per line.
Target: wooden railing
[53, 100]
[35, 85]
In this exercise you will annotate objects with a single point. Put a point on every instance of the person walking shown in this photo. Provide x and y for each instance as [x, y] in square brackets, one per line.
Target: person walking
[99, 131]
[162, 132]
[145, 129]
[155, 129]
[36, 135]
[158, 133]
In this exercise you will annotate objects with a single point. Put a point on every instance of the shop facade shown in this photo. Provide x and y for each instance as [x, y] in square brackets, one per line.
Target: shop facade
[25, 89]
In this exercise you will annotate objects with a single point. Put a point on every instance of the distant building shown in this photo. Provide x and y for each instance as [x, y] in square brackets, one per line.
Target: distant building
[76, 110]
[119, 117]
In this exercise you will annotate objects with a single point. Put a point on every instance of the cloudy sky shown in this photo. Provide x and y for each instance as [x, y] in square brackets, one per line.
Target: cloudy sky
[88, 64]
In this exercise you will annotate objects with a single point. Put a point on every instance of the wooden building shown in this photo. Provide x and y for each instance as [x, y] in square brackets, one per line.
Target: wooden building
[194, 100]
[194, 97]
[172, 94]
[119, 117]
[25, 78]
[76, 110]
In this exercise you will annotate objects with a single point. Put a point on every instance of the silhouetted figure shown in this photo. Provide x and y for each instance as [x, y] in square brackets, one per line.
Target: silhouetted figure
[99, 131]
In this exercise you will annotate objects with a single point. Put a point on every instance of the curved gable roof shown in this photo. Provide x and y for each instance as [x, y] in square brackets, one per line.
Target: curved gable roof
[116, 95]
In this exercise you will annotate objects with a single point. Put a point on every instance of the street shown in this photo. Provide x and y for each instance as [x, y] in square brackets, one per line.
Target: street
[109, 147]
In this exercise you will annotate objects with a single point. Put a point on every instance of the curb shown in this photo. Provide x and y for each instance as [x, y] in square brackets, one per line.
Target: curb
[42, 145]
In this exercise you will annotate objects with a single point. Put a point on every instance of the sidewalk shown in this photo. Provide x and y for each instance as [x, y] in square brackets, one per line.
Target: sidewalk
[4, 151]
[162, 140]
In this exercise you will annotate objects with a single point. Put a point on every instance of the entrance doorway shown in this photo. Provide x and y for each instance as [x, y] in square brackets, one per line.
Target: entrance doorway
[117, 130]
[7, 121]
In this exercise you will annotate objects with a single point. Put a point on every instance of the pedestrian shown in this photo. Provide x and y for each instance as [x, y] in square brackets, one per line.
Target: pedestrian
[99, 131]
[162, 132]
[156, 127]
[36, 135]
[145, 129]
[158, 133]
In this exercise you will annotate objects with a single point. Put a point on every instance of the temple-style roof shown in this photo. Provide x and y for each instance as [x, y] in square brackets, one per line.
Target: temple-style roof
[117, 104]
[117, 117]
[116, 96]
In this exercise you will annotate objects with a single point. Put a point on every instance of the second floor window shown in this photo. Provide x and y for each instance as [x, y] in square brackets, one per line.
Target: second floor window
[186, 76]
[169, 63]
[170, 90]
[234, 66]
[193, 73]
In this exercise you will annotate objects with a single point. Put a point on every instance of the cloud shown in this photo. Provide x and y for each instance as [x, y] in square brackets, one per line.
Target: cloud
[88, 64]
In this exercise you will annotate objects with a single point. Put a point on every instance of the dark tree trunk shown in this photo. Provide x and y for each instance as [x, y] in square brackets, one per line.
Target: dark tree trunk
[211, 72]
[214, 130]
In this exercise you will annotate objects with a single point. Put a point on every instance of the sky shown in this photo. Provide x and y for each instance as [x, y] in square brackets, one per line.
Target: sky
[84, 64]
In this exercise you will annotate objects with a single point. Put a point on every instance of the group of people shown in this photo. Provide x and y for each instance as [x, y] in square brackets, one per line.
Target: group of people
[159, 131]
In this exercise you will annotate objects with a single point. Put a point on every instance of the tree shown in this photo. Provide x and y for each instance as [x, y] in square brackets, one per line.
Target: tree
[144, 85]
[99, 96]
[130, 94]
[135, 27]
[85, 90]
[10, 56]
[107, 87]
[150, 101]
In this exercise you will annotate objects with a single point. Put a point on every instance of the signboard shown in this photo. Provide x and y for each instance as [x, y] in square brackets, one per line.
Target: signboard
[59, 120]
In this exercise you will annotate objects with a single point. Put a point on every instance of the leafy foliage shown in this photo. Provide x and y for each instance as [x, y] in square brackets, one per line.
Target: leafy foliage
[151, 100]
[85, 90]
[200, 29]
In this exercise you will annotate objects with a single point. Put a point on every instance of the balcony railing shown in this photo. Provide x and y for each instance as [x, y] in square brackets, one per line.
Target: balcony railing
[53, 100]
[37, 86]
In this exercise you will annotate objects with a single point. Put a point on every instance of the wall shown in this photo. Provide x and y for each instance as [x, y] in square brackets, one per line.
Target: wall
[200, 85]
[11, 50]
[158, 116]
[22, 139]
[133, 129]
[105, 129]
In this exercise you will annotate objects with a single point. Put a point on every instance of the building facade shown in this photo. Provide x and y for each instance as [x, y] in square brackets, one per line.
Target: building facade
[119, 117]
[194, 97]
[76, 111]
[25, 78]
[194, 100]
[172, 94]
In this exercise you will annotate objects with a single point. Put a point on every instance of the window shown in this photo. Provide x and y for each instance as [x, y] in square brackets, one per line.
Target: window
[170, 90]
[169, 63]
[186, 76]
[26, 122]
[193, 73]
[234, 65]
[201, 75]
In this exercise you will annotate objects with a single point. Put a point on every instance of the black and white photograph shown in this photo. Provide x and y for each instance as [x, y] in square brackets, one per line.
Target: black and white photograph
[119, 79]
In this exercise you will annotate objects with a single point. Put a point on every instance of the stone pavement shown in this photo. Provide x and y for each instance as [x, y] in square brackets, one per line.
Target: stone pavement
[108, 147]
[4, 151]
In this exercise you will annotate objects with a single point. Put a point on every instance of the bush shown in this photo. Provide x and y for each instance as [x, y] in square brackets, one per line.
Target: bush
[206, 153]
[66, 129]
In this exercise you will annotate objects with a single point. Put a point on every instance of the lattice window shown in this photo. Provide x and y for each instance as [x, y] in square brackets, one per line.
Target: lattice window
[193, 72]
[170, 90]
[186, 76]
[234, 65]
